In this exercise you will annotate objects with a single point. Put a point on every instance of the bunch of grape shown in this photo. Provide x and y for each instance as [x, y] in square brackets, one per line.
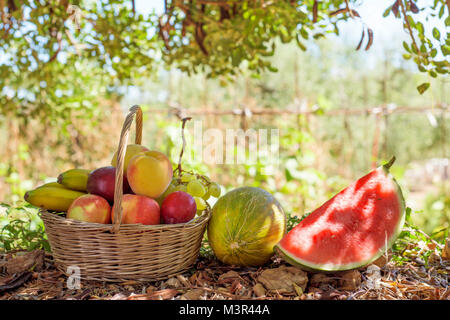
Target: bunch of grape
[200, 187]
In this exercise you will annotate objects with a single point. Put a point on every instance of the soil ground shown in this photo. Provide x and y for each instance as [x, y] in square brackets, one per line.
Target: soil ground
[33, 276]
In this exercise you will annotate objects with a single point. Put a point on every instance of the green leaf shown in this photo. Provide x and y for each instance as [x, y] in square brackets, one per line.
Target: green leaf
[423, 87]
[423, 49]
[304, 34]
[299, 43]
[436, 33]
[433, 52]
[432, 73]
[405, 45]
[408, 214]
[441, 11]
[411, 21]
[420, 27]
[445, 50]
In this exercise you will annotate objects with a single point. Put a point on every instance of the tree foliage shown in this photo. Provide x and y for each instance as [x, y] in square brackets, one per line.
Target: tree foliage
[53, 53]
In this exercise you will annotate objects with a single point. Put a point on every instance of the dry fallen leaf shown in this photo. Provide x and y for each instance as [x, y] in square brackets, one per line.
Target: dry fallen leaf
[193, 294]
[381, 261]
[283, 278]
[173, 283]
[446, 250]
[259, 290]
[24, 261]
[349, 280]
[16, 281]
[157, 295]
[321, 280]
[183, 280]
[229, 275]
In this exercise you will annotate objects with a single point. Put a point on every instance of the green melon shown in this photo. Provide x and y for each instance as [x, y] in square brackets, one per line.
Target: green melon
[350, 230]
[245, 225]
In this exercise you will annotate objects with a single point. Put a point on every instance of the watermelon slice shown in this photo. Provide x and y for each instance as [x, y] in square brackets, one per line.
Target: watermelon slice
[350, 230]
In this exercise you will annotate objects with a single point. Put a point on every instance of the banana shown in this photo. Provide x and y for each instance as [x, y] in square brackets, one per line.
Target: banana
[52, 198]
[52, 184]
[75, 179]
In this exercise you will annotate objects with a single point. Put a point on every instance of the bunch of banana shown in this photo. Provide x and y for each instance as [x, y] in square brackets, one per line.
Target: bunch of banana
[52, 184]
[75, 179]
[56, 198]
[59, 195]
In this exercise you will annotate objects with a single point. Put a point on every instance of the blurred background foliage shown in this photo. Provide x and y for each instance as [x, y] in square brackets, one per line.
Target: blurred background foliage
[71, 69]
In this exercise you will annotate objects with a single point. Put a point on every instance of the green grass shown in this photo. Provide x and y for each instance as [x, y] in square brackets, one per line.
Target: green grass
[21, 228]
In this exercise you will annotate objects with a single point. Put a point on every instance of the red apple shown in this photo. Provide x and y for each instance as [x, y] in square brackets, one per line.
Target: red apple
[178, 207]
[101, 182]
[139, 209]
[90, 208]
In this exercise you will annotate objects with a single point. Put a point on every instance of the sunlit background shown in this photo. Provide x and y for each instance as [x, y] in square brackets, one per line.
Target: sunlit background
[320, 153]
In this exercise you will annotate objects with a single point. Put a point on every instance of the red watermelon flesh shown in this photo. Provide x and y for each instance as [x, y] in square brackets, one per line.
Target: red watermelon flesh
[350, 230]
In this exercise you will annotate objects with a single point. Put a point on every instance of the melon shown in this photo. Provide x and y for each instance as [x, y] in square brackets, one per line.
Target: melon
[350, 230]
[245, 225]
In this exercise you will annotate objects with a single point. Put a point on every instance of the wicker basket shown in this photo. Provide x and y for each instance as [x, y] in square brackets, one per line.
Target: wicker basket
[118, 252]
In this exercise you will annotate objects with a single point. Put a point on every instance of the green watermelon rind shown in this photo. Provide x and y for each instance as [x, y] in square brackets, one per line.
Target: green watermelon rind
[330, 267]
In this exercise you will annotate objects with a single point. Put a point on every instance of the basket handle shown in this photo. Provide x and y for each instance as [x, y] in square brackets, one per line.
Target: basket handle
[118, 187]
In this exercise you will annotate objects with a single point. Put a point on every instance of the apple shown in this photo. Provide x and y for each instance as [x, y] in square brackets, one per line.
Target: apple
[149, 173]
[90, 208]
[178, 207]
[132, 150]
[102, 181]
[138, 209]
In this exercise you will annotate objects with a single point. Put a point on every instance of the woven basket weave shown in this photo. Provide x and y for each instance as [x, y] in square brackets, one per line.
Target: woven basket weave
[118, 252]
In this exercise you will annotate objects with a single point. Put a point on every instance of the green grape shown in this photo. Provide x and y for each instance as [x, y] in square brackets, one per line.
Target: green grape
[181, 187]
[187, 177]
[175, 181]
[169, 190]
[208, 180]
[196, 189]
[206, 196]
[214, 190]
[201, 204]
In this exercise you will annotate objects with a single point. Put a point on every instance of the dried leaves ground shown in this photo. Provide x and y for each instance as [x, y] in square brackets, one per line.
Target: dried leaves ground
[32, 276]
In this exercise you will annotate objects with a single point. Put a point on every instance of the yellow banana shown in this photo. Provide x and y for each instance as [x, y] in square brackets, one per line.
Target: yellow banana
[75, 179]
[52, 184]
[52, 198]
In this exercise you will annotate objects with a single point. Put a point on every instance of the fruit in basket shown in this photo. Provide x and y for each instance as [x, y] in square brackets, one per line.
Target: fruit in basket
[169, 190]
[75, 179]
[149, 173]
[350, 230]
[197, 185]
[52, 198]
[102, 181]
[90, 208]
[138, 209]
[52, 184]
[200, 203]
[196, 189]
[214, 190]
[245, 225]
[132, 150]
[178, 207]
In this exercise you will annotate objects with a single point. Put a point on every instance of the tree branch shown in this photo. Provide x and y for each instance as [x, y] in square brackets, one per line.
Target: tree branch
[448, 6]
[405, 17]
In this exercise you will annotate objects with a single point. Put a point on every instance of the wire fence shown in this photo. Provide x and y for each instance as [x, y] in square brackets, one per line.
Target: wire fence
[302, 109]
[298, 108]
